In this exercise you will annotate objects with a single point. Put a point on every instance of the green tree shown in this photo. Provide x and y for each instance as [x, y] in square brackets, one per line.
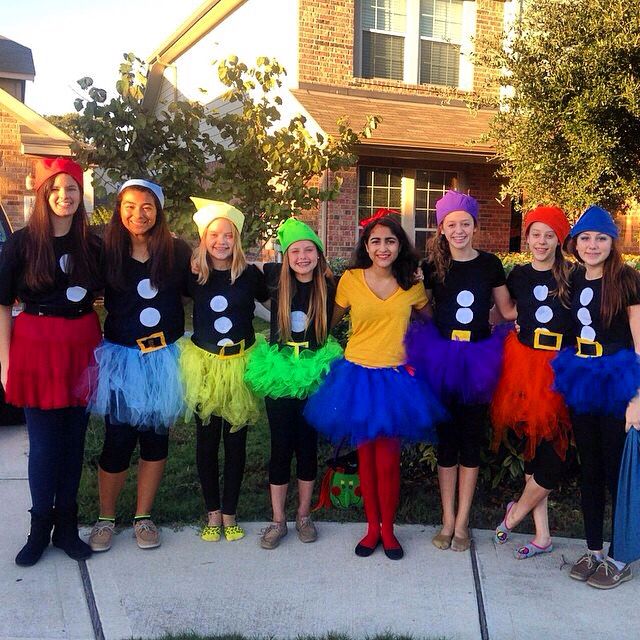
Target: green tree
[263, 165]
[569, 127]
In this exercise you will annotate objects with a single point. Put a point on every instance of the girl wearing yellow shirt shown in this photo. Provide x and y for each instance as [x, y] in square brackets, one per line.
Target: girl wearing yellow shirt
[370, 396]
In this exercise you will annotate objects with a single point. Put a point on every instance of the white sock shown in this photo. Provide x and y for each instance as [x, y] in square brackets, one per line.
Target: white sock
[619, 565]
[598, 555]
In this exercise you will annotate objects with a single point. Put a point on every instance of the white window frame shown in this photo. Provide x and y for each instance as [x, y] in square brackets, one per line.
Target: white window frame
[412, 42]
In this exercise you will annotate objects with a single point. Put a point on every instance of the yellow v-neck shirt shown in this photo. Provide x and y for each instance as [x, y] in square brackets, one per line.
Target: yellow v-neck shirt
[377, 326]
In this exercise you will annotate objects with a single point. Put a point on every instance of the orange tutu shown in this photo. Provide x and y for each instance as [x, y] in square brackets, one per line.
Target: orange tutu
[525, 401]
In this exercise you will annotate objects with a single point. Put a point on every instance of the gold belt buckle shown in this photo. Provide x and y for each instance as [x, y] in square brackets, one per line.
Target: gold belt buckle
[461, 335]
[157, 340]
[540, 331]
[224, 348]
[296, 347]
[591, 343]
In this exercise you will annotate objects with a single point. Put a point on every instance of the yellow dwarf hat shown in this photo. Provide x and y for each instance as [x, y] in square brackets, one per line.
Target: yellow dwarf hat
[210, 210]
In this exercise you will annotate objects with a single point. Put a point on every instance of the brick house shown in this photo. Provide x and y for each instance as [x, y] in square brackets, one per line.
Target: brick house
[24, 134]
[405, 60]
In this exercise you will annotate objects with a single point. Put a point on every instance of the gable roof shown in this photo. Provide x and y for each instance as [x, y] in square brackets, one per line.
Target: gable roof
[424, 126]
[37, 135]
[203, 20]
[16, 61]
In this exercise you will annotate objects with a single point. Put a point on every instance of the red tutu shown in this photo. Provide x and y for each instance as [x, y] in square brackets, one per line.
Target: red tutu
[47, 358]
[525, 401]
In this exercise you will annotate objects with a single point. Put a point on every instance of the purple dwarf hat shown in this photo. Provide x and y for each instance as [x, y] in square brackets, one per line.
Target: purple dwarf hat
[456, 201]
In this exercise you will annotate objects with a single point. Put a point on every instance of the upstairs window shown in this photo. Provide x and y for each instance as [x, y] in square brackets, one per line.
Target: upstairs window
[416, 41]
[440, 40]
[383, 35]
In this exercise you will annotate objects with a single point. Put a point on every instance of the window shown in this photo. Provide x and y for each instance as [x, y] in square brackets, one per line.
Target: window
[379, 188]
[383, 27]
[430, 187]
[440, 39]
[417, 41]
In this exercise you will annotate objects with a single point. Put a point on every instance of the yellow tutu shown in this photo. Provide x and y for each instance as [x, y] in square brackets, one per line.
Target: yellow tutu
[214, 385]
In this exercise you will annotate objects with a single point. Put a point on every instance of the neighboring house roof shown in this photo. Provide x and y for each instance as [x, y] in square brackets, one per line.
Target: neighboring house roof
[16, 61]
[37, 135]
[205, 18]
[424, 126]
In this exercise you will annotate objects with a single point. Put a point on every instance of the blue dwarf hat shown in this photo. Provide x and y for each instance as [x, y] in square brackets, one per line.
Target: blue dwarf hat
[595, 218]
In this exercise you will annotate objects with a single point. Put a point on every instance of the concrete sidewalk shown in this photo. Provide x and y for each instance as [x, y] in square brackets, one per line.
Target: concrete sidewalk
[215, 588]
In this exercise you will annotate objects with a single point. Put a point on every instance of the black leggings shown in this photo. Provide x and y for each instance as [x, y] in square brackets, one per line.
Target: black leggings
[546, 467]
[235, 454]
[291, 433]
[600, 442]
[120, 440]
[460, 439]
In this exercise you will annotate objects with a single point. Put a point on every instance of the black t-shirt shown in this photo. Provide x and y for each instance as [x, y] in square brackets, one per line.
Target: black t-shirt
[463, 301]
[63, 292]
[223, 312]
[537, 307]
[301, 329]
[140, 310]
[585, 310]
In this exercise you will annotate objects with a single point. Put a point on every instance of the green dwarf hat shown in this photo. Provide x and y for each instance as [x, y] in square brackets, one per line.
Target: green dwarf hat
[292, 230]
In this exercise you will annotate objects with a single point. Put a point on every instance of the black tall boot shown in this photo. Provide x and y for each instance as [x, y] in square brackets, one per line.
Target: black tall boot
[38, 539]
[65, 533]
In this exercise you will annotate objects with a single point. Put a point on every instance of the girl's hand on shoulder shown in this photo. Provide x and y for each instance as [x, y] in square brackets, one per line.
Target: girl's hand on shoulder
[418, 275]
[632, 415]
[195, 268]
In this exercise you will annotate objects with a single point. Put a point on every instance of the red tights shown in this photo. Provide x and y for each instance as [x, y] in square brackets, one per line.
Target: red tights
[379, 469]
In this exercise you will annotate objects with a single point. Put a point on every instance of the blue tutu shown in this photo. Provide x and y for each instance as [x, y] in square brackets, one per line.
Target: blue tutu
[601, 385]
[362, 404]
[136, 388]
[466, 372]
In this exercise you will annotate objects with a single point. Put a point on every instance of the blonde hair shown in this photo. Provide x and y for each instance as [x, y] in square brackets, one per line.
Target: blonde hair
[317, 310]
[203, 262]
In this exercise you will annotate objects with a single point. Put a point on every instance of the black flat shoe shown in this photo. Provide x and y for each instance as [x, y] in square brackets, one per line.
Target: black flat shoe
[396, 553]
[363, 551]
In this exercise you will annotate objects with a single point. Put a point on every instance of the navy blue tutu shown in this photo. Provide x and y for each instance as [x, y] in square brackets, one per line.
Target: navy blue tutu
[466, 372]
[141, 389]
[362, 404]
[601, 385]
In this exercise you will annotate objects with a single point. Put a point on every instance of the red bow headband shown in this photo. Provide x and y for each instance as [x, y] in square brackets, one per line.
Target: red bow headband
[380, 213]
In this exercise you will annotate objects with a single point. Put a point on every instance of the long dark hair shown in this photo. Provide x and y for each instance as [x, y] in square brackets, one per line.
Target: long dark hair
[117, 245]
[404, 266]
[620, 282]
[40, 259]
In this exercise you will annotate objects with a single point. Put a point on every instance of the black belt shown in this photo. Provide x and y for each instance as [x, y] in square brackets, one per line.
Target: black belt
[59, 310]
[234, 349]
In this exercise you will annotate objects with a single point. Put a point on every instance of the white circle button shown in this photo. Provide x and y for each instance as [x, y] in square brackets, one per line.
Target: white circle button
[146, 290]
[223, 325]
[541, 292]
[584, 316]
[149, 317]
[464, 316]
[465, 298]
[218, 303]
[75, 294]
[544, 314]
[299, 321]
[586, 296]
[588, 333]
[65, 262]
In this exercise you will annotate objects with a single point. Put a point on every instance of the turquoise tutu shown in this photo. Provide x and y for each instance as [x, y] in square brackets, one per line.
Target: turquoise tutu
[136, 388]
[600, 386]
[362, 404]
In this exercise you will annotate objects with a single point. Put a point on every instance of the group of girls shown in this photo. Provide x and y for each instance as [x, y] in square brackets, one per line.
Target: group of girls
[422, 363]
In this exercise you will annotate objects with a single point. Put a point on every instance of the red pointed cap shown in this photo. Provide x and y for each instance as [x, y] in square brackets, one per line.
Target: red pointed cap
[48, 167]
[552, 216]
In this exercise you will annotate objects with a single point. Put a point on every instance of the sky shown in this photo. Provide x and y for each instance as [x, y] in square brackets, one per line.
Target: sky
[71, 39]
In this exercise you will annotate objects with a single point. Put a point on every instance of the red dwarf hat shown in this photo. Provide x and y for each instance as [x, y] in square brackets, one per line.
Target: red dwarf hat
[380, 213]
[551, 216]
[48, 167]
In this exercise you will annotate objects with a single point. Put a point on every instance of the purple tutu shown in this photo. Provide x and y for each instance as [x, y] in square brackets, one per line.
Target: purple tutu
[465, 372]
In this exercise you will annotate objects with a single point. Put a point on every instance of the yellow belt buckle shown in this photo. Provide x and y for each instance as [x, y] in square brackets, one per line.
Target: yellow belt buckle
[540, 331]
[296, 347]
[224, 347]
[461, 335]
[595, 343]
[145, 349]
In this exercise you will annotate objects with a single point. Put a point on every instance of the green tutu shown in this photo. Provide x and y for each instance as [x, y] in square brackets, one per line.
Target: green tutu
[279, 372]
[214, 385]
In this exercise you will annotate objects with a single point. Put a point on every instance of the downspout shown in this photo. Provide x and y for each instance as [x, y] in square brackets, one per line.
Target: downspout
[324, 212]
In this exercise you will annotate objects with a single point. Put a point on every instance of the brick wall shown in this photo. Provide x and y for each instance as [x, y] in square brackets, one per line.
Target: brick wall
[14, 168]
[326, 48]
